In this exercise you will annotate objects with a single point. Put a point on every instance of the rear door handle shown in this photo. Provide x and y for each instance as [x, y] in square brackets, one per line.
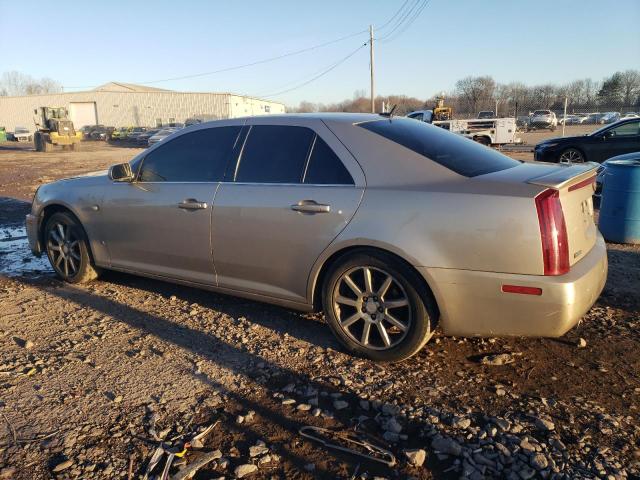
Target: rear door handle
[310, 206]
[192, 204]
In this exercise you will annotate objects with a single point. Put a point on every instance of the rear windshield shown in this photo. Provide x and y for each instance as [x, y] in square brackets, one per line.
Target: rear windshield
[457, 153]
[541, 112]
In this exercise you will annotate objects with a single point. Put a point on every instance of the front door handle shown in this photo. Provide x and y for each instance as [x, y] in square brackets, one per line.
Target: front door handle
[310, 206]
[192, 204]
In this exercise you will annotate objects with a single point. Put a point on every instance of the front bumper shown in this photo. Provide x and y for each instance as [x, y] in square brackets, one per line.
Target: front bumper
[472, 303]
[545, 155]
[33, 227]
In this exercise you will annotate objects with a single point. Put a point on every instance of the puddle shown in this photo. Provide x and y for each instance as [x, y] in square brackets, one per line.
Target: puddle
[16, 259]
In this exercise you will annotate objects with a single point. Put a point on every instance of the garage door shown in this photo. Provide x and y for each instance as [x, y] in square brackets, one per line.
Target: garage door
[83, 113]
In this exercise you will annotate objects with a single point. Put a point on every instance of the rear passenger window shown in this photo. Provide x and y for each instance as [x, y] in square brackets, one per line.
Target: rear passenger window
[325, 168]
[274, 154]
[199, 156]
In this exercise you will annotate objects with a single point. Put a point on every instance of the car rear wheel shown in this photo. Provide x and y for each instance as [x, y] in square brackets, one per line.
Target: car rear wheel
[571, 155]
[377, 307]
[68, 249]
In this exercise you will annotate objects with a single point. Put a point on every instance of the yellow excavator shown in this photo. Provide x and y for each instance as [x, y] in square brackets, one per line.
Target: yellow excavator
[53, 127]
[440, 111]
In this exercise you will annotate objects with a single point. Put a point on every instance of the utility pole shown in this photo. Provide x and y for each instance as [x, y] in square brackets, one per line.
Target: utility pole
[373, 96]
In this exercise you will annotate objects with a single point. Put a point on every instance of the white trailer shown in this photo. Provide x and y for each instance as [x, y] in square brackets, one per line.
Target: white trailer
[488, 131]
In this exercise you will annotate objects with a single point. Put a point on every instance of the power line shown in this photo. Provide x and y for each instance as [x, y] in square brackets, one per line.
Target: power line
[408, 23]
[258, 62]
[321, 74]
[401, 20]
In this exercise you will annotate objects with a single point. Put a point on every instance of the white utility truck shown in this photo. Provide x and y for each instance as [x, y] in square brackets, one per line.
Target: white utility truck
[488, 131]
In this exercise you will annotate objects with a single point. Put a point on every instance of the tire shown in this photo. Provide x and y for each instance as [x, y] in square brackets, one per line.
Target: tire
[67, 247]
[37, 142]
[482, 140]
[414, 314]
[570, 156]
[47, 146]
[75, 146]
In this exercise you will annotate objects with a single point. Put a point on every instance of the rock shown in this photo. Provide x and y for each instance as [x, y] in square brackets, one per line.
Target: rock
[62, 466]
[446, 445]
[288, 401]
[393, 426]
[416, 457]
[8, 473]
[461, 422]
[244, 470]
[501, 392]
[498, 359]
[526, 445]
[22, 343]
[310, 467]
[117, 399]
[543, 424]
[316, 412]
[257, 450]
[526, 473]
[303, 407]
[391, 437]
[340, 404]
[581, 343]
[502, 423]
[539, 461]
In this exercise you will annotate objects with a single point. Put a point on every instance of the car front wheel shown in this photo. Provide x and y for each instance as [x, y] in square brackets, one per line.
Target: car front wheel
[68, 249]
[571, 155]
[378, 307]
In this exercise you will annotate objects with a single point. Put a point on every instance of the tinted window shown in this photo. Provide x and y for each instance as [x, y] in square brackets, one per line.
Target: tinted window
[274, 154]
[628, 129]
[199, 156]
[325, 168]
[462, 155]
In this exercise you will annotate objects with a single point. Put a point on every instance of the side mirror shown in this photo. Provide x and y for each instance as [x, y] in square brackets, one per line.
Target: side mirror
[121, 173]
[608, 134]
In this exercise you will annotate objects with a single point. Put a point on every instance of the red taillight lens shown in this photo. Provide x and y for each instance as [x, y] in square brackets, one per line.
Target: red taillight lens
[553, 231]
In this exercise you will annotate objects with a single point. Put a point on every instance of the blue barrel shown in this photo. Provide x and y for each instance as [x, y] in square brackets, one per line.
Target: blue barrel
[620, 205]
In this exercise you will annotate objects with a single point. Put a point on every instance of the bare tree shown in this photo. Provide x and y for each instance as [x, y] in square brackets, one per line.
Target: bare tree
[477, 92]
[16, 83]
[630, 85]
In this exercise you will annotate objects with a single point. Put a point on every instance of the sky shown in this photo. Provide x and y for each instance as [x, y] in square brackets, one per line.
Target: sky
[541, 41]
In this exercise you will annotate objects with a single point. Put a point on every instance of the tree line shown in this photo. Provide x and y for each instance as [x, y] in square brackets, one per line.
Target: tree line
[16, 84]
[619, 92]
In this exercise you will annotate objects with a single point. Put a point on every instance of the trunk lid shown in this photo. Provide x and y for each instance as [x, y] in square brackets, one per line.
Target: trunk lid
[576, 185]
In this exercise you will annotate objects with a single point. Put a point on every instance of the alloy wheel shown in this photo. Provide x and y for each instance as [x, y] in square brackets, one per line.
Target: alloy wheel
[571, 156]
[63, 249]
[372, 308]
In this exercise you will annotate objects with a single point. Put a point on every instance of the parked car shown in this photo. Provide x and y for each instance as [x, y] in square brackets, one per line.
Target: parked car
[578, 119]
[562, 120]
[543, 119]
[631, 115]
[143, 138]
[100, 132]
[606, 142]
[22, 134]
[594, 118]
[162, 134]
[348, 213]
[522, 122]
[486, 114]
[121, 133]
[135, 133]
[610, 117]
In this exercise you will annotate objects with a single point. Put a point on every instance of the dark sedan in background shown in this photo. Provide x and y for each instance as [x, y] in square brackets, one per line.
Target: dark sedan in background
[606, 142]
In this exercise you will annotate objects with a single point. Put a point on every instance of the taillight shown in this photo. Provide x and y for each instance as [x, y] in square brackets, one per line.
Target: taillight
[553, 231]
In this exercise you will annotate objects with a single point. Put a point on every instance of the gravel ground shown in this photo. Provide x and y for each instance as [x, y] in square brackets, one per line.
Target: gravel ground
[94, 377]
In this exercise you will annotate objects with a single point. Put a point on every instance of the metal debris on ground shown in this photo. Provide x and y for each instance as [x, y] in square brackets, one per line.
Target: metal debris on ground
[338, 441]
[179, 451]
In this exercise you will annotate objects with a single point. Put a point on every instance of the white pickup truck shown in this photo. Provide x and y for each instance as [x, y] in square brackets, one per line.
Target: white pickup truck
[488, 131]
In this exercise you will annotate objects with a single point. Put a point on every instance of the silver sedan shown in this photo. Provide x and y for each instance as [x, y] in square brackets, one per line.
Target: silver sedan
[393, 227]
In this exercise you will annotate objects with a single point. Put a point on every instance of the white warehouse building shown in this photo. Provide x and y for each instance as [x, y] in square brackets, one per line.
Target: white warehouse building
[123, 104]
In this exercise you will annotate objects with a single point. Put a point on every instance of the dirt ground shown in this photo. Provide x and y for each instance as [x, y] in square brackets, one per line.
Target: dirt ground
[94, 377]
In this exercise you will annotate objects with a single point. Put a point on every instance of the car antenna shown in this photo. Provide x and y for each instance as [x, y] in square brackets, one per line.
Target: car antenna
[390, 112]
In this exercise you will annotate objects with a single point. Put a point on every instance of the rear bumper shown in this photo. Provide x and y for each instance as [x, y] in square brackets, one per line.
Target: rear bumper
[472, 303]
[32, 223]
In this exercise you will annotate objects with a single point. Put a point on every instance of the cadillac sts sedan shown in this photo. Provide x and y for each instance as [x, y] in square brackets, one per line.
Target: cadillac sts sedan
[392, 227]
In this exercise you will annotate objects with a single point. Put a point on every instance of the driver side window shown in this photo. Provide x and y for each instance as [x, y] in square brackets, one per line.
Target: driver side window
[199, 156]
[626, 130]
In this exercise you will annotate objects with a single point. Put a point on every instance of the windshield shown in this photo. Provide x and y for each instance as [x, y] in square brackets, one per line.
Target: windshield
[21, 130]
[453, 151]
